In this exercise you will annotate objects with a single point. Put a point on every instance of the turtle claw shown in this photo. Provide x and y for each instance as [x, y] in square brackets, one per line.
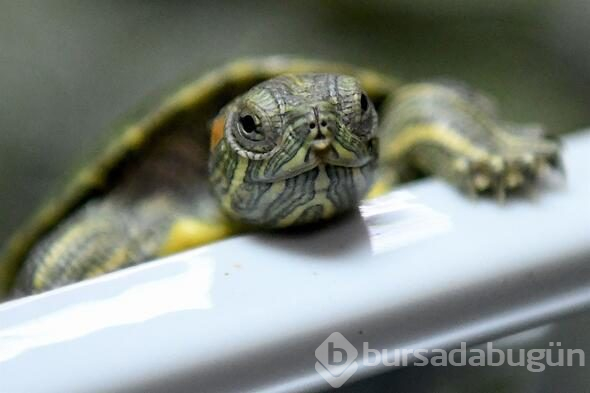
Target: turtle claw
[556, 163]
[500, 175]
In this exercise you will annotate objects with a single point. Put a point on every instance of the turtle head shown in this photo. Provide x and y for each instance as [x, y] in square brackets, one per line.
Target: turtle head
[294, 149]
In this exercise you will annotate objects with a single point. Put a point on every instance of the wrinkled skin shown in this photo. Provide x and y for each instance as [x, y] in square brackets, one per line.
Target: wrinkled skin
[295, 149]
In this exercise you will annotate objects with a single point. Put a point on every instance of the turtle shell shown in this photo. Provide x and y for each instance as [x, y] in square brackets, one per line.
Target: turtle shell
[193, 105]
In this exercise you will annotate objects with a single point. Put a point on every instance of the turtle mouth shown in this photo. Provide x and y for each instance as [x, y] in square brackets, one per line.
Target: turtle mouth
[307, 167]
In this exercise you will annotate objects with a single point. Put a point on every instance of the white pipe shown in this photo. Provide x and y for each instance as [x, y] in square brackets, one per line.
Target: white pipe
[423, 267]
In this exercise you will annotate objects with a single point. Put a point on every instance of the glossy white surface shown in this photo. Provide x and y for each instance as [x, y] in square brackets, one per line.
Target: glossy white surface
[422, 267]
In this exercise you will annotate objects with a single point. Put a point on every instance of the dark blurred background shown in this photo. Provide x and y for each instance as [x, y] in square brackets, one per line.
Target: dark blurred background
[68, 69]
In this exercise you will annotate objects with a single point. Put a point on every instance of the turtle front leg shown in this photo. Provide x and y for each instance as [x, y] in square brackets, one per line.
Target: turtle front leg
[452, 131]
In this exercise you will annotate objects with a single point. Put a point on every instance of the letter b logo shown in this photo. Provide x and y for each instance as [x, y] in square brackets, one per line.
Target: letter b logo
[336, 359]
[336, 356]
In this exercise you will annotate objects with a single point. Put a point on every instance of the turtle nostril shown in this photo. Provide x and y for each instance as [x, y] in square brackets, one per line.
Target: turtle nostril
[323, 123]
[311, 125]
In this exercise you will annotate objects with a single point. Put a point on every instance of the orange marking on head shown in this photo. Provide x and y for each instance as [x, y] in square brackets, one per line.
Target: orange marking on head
[217, 131]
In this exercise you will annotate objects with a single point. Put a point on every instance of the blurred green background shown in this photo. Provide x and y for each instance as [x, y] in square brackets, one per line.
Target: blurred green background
[68, 69]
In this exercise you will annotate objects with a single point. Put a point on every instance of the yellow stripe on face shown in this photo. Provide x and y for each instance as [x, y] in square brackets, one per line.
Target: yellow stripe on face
[322, 183]
[236, 181]
[438, 134]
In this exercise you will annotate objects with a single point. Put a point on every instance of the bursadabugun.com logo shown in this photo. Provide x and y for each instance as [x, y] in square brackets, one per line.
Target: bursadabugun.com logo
[338, 359]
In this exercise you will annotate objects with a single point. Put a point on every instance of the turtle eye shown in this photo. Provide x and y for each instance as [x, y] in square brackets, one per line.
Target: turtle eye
[250, 127]
[253, 133]
[248, 124]
[364, 103]
[366, 116]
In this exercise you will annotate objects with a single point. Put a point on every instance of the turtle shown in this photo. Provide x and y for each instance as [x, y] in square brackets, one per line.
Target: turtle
[261, 144]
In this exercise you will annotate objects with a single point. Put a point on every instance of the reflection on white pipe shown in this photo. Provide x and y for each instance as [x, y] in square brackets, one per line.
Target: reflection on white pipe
[188, 290]
[397, 219]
